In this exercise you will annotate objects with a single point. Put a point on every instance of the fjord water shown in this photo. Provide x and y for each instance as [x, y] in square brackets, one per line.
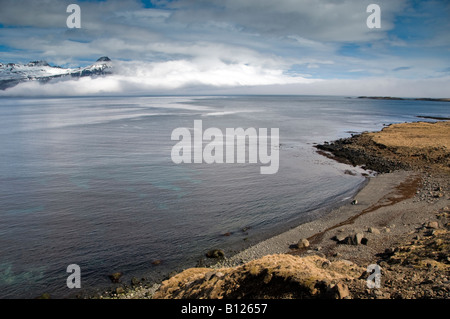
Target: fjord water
[90, 181]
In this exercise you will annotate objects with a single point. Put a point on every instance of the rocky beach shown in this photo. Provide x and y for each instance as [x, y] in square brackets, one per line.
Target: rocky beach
[399, 222]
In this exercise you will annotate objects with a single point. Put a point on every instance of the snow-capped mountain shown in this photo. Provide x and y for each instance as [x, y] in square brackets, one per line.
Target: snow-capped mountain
[12, 74]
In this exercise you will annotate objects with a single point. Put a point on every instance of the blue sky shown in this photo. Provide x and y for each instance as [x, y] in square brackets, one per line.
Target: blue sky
[239, 46]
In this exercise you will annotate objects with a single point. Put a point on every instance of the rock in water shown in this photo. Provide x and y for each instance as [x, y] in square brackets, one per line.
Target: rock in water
[215, 253]
[135, 281]
[115, 277]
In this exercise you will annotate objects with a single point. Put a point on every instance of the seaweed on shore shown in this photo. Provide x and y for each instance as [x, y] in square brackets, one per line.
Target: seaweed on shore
[360, 150]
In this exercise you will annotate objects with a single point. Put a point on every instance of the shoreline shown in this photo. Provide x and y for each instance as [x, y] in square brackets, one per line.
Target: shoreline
[402, 98]
[378, 201]
[392, 209]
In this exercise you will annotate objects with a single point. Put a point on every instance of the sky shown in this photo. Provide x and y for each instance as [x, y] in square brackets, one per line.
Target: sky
[235, 46]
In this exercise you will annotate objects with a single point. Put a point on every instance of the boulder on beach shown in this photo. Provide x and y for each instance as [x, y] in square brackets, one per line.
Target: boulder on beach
[303, 243]
[355, 239]
[432, 225]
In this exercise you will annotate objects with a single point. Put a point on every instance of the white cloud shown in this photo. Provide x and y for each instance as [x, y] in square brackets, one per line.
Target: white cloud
[326, 20]
[53, 14]
[214, 43]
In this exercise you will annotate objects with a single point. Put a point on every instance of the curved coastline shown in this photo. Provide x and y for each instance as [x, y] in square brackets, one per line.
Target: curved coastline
[396, 208]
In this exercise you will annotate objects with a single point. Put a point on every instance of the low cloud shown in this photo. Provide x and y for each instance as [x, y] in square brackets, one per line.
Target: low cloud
[186, 77]
[369, 86]
[156, 77]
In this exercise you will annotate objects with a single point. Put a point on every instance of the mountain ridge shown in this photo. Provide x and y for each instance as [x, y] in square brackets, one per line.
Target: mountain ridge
[12, 74]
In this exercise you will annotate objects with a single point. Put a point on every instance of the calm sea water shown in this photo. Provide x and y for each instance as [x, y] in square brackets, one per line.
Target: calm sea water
[90, 181]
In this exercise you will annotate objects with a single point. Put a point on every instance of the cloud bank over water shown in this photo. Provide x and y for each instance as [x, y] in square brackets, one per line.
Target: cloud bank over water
[160, 77]
[213, 83]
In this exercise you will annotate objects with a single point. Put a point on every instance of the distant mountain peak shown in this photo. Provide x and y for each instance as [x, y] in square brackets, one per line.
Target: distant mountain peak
[104, 59]
[38, 63]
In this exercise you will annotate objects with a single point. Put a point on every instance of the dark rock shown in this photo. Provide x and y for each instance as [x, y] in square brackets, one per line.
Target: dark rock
[104, 59]
[38, 63]
[115, 277]
[135, 281]
[120, 290]
[347, 241]
[215, 253]
[360, 150]
[430, 232]
[352, 239]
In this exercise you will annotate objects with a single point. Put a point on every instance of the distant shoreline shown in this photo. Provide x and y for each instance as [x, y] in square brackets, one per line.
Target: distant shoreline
[406, 99]
[440, 118]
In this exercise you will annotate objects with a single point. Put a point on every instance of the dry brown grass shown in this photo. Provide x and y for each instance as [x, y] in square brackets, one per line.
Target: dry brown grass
[415, 135]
